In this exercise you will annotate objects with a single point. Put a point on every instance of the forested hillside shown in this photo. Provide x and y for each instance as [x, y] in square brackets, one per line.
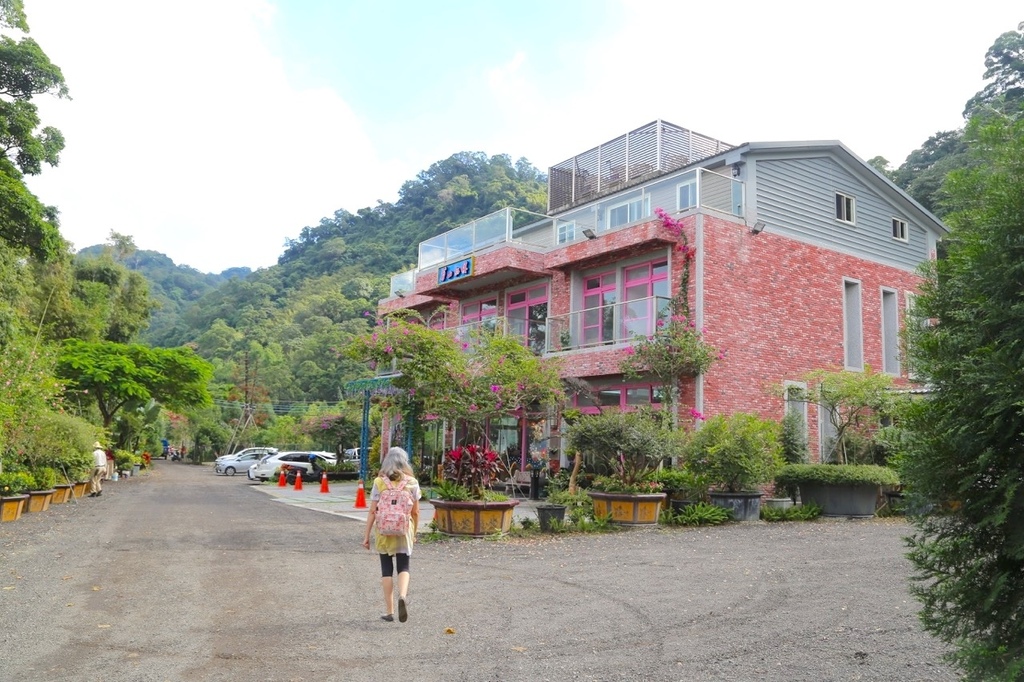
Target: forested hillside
[275, 333]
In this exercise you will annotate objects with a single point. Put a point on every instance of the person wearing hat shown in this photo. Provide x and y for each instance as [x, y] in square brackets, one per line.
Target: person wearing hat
[98, 470]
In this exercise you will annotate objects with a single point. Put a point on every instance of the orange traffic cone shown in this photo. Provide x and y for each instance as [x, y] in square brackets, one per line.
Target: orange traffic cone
[298, 479]
[360, 496]
[282, 480]
[323, 483]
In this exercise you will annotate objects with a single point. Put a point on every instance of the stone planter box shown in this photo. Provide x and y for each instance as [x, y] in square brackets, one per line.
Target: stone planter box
[628, 509]
[473, 518]
[777, 502]
[856, 501]
[11, 507]
[39, 500]
[62, 493]
[744, 506]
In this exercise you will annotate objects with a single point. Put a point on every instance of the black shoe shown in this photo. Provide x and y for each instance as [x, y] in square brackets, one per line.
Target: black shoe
[93, 494]
[99, 493]
[403, 613]
[388, 617]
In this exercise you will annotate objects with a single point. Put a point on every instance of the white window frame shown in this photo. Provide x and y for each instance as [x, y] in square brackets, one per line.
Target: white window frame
[846, 208]
[644, 210]
[853, 326]
[890, 330]
[899, 229]
[690, 181]
[566, 231]
[796, 405]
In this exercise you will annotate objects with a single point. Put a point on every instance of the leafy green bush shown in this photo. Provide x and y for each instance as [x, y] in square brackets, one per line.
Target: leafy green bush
[836, 474]
[736, 453]
[578, 505]
[451, 491]
[804, 512]
[699, 514]
[45, 478]
[683, 484]
[16, 483]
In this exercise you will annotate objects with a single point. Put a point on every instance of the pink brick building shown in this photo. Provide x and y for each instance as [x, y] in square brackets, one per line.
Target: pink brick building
[805, 257]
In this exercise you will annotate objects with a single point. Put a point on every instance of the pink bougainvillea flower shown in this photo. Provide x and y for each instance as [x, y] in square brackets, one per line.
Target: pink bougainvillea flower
[495, 388]
[696, 414]
[629, 350]
[473, 408]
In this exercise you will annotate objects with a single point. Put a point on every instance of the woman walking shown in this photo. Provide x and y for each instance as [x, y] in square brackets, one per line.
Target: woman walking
[395, 507]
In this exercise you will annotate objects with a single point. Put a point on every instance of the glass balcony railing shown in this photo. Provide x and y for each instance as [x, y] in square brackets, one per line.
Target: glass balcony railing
[608, 324]
[531, 333]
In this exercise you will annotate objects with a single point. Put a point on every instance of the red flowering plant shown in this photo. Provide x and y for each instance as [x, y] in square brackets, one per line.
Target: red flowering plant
[472, 468]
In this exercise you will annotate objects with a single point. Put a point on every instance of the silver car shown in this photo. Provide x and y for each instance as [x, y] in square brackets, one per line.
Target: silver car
[242, 462]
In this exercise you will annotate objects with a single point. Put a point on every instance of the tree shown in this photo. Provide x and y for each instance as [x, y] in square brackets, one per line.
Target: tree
[1004, 67]
[26, 71]
[115, 375]
[966, 461]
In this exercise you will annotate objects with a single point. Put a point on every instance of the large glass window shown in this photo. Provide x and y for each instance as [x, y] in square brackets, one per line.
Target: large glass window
[527, 313]
[600, 293]
[642, 284]
[628, 212]
[623, 397]
[687, 191]
[483, 312]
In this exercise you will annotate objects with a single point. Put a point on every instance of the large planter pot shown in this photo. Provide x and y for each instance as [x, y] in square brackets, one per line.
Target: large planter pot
[39, 500]
[11, 507]
[745, 506]
[62, 493]
[777, 502]
[548, 514]
[857, 501]
[81, 488]
[473, 518]
[628, 509]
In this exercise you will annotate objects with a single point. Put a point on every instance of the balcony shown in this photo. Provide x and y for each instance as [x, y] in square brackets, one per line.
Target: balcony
[534, 237]
[607, 325]
[532, 333]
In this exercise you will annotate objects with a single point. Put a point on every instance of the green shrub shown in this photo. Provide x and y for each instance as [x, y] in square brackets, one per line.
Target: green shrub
[451, 491]
[45, 477]
[735, 453]
[699, 514]
[804, 512]
[16, 483]
[794, 439]
[578, 506]
[837, 474]
[683, 484]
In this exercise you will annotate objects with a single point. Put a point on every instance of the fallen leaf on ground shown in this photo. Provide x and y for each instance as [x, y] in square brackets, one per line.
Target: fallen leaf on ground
[449, 631]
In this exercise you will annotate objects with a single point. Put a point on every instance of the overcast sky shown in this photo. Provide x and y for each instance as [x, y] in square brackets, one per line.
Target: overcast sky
[213, 130]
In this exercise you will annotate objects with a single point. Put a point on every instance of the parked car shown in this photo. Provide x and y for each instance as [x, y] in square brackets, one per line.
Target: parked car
[258, 451]
[235, 463]
[352, 454]
[264, 469]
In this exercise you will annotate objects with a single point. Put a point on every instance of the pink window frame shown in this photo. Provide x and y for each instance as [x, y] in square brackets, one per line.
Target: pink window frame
[527, 302]
[647, 321]
[601, 289]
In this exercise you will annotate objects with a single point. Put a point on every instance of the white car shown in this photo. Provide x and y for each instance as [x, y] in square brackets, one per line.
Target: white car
[265, 468]
[259, 452]
[236, 463]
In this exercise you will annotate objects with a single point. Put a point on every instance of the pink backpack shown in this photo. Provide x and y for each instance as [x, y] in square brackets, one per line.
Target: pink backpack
[394, 508]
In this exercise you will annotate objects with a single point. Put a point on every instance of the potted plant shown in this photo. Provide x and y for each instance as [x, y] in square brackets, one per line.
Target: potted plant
[39, 496]
[465, 504]
[682, 486]
[13, 488]
[632, 444]
[850, 490]
[736, 454]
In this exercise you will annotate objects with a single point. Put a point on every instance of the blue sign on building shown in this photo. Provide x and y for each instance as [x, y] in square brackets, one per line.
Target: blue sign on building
[457, 270]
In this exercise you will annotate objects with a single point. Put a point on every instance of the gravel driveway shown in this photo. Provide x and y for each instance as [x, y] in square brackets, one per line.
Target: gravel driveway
[184, 575]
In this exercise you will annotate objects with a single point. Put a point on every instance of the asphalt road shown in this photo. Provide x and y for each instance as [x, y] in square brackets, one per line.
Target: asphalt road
[184, 575]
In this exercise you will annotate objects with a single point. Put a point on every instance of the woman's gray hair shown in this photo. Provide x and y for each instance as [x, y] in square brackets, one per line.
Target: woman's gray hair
[395, 463]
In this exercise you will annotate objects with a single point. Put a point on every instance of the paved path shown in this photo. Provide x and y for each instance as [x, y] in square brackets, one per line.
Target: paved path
[185, 575]
[341, 498]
